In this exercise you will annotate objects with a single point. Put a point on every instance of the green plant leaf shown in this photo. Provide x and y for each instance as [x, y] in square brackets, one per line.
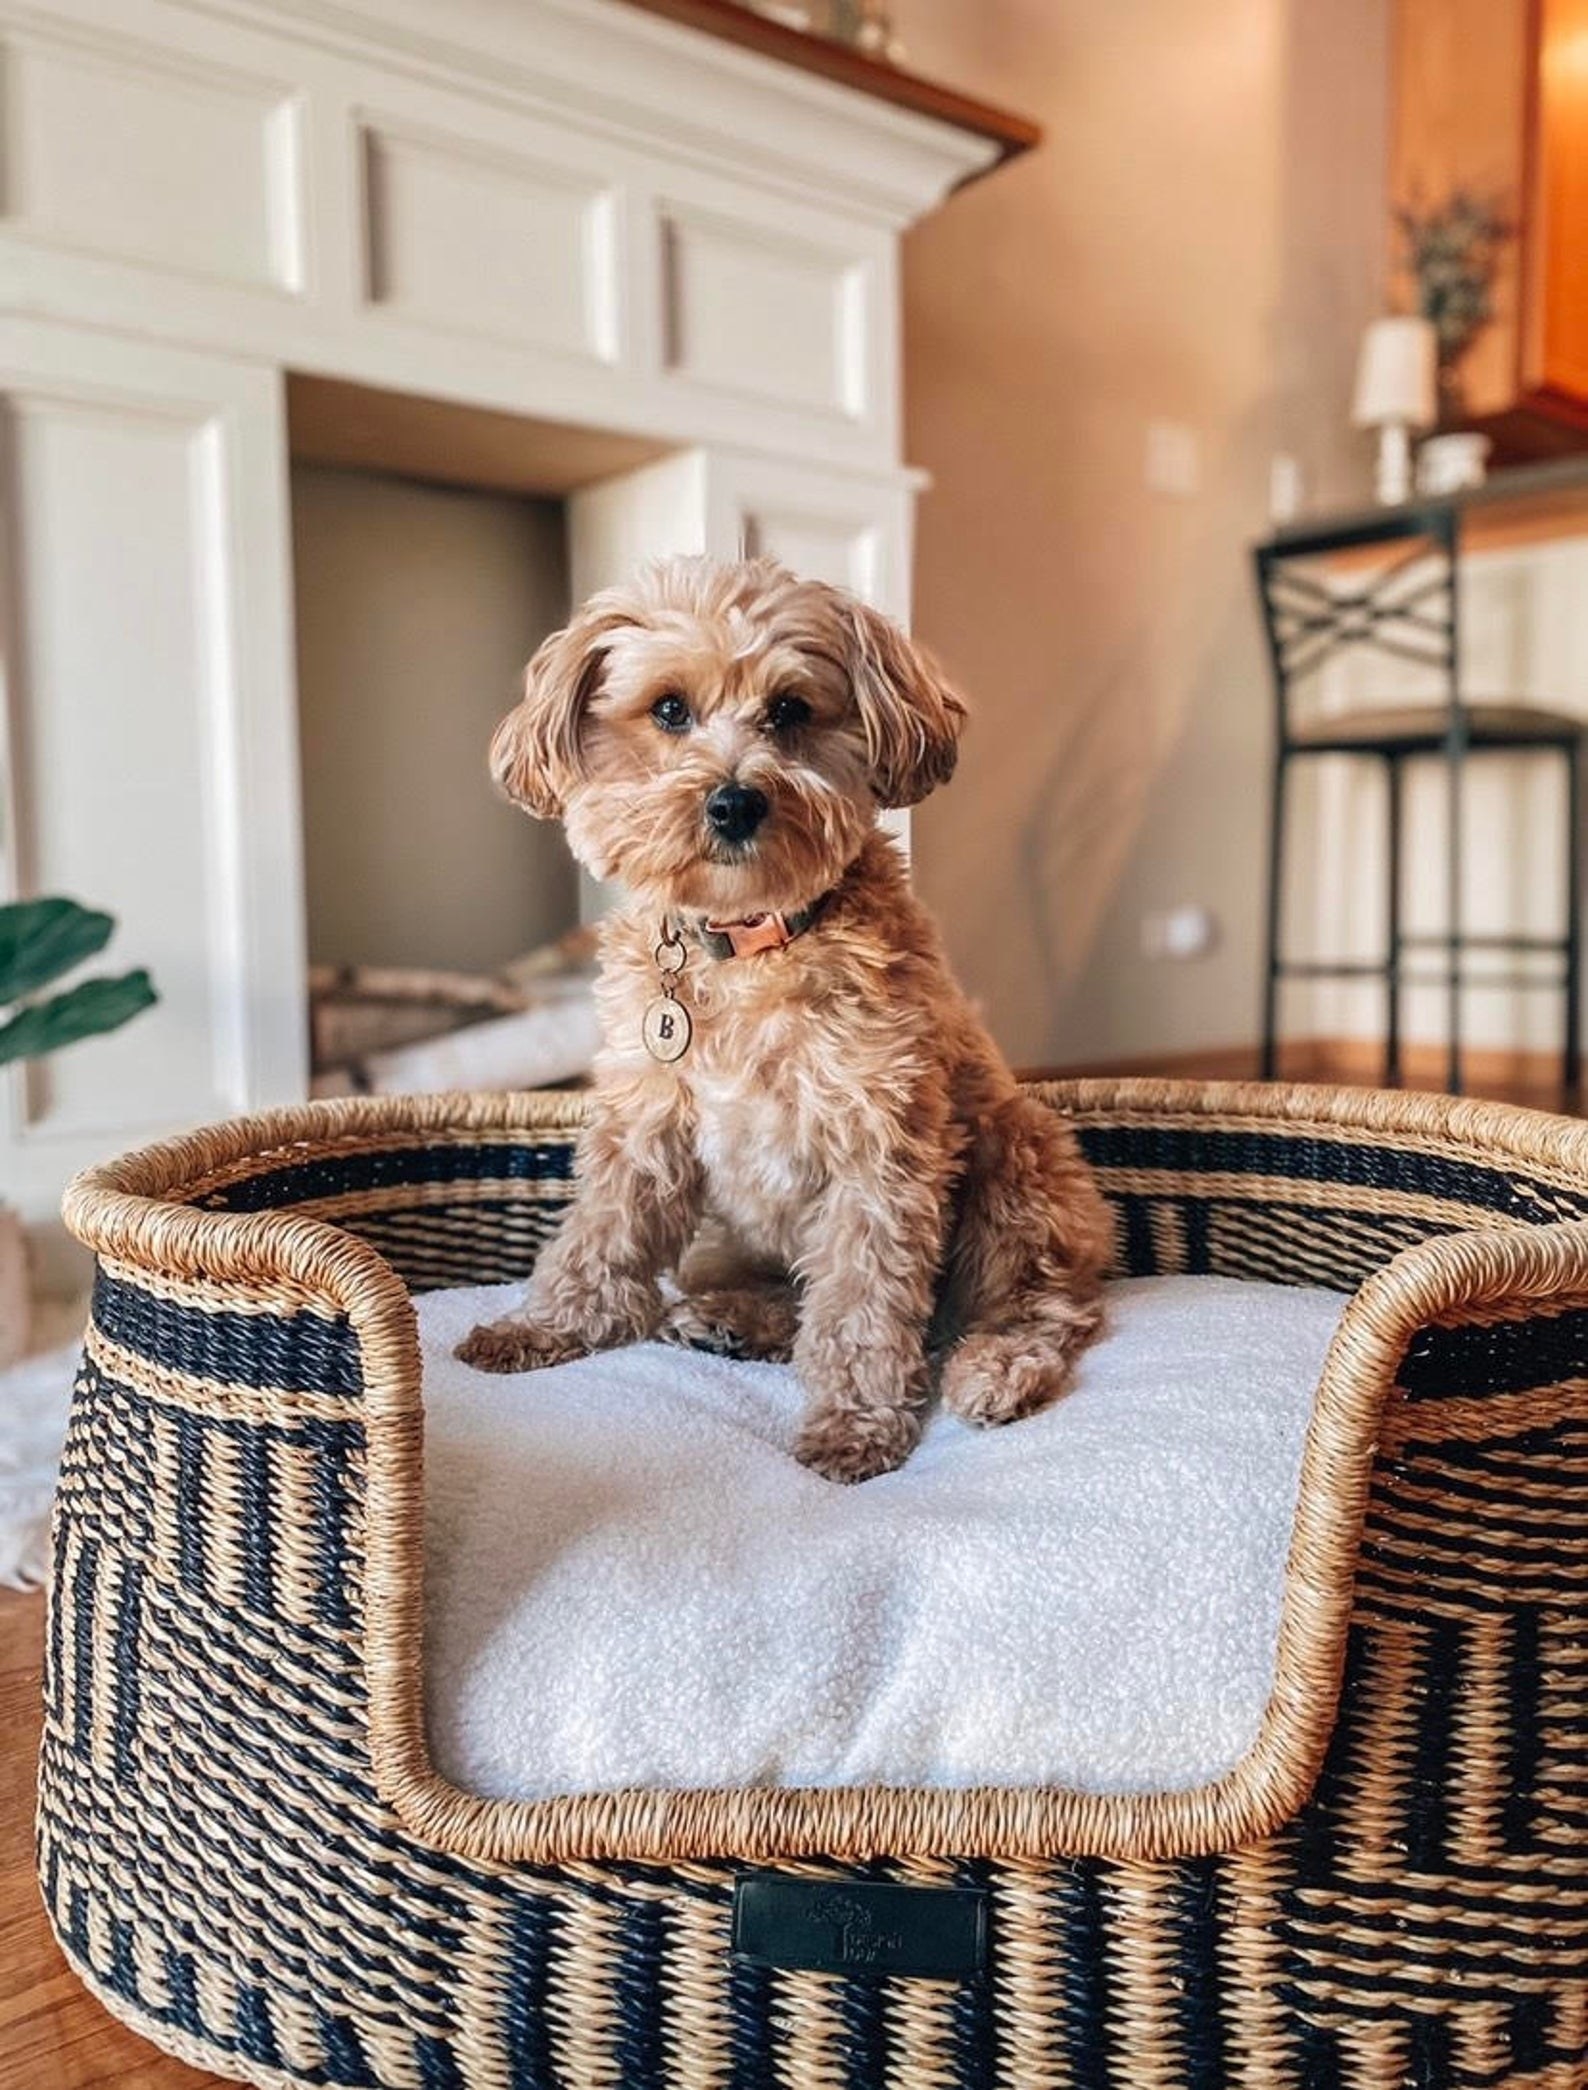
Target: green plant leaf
[93, 1006]
[41, 939]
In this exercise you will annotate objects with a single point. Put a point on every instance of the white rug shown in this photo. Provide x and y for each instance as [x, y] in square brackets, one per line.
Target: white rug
[34, 1398]
[630, 1581]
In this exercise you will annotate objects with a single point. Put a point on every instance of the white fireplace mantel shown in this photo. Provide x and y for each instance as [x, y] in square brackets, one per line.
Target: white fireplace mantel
[561, 207]
[570, 210]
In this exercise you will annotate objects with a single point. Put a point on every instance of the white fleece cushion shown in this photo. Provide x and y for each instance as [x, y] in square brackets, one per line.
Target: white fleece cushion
[629, 1580]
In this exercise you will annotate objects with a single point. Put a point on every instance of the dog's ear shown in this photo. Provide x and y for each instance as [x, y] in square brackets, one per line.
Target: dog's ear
[911, 718]
[535, 750]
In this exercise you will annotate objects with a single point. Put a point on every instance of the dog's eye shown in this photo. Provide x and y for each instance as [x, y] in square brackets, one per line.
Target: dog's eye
[672, 714]
[785, 713]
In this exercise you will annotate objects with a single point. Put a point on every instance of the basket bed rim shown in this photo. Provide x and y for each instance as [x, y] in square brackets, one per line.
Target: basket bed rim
[129, 1210]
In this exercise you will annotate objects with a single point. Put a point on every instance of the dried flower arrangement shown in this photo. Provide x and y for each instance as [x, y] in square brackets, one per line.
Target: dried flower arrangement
[1452, 253]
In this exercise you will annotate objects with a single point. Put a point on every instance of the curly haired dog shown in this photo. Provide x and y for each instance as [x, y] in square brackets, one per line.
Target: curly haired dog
[795, 1110]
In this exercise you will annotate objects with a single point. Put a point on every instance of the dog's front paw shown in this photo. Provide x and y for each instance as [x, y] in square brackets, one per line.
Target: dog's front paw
[855, 1444]
[515, 1346]
[995, 1376]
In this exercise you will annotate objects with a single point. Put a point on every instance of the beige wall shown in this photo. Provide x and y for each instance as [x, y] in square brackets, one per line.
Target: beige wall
[416, 608]
[1200, 239]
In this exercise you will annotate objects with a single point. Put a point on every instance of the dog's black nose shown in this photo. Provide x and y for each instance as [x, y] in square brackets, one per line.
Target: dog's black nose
[735, 811]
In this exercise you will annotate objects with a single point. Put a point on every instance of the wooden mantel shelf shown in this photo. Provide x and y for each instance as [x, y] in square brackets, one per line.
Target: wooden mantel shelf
[738, 24]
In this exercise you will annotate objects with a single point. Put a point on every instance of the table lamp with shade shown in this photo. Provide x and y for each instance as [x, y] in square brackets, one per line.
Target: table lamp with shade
[1396, 392]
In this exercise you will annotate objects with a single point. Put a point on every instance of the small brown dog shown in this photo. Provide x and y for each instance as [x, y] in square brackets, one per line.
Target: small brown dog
[795, 1110]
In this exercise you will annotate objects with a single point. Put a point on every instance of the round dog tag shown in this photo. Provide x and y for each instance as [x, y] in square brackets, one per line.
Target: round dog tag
[666, 1030]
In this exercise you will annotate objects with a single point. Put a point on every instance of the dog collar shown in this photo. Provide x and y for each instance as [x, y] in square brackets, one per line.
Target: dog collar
[758, 932]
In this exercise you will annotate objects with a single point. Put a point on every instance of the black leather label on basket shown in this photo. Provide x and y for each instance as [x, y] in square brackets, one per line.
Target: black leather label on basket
[859, 1927]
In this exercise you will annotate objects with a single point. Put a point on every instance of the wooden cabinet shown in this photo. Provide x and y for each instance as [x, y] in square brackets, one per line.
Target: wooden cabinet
[1555, 347]
[1491, 96]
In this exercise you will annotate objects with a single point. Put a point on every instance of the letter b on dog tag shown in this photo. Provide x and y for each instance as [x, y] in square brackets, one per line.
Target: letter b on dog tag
[666, 1030]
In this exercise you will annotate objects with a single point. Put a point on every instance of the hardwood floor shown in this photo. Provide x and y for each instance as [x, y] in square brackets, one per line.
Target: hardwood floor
[53, 2035]
[1530, 1078]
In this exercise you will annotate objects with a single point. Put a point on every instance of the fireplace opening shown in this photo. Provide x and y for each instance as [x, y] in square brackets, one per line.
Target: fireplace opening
[417, 607]
[431, 557]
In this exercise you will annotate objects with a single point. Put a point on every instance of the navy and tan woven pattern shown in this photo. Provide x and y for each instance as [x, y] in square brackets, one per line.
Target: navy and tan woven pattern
[246, 1854]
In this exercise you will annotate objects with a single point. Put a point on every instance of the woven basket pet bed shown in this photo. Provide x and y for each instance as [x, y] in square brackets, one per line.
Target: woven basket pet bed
[247, 1855]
